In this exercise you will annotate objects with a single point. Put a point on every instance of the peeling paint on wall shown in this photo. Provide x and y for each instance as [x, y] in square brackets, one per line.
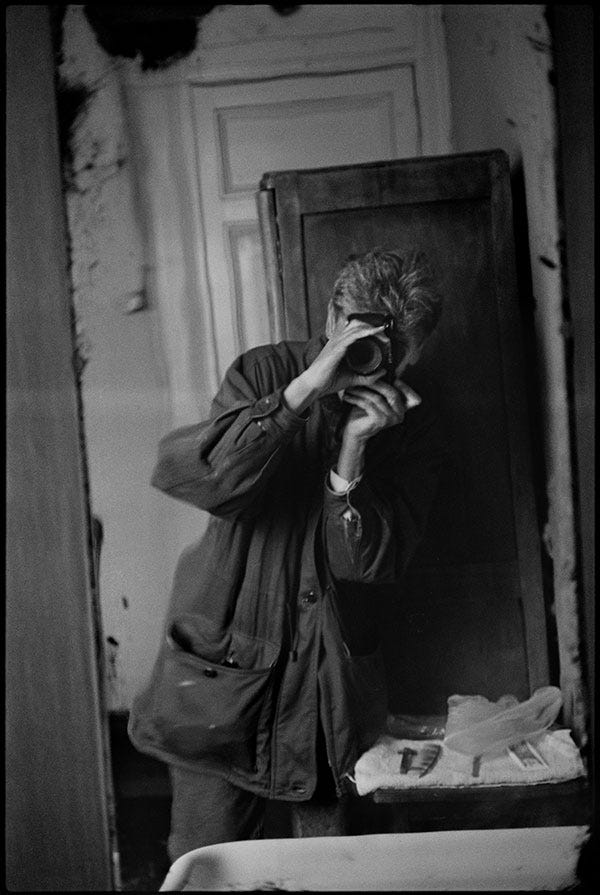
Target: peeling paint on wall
[159, 35]
[108, 257]
[157, 43]
[122, 384]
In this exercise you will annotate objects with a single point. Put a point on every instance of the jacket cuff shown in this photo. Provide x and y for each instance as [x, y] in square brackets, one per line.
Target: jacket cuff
[273, 409]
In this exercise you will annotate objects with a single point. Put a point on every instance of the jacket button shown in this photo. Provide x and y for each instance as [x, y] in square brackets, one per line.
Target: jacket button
[309, 598]
[210, 672]
[297, 787]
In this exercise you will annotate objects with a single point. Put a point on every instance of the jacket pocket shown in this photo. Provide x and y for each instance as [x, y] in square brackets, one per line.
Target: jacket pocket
[206, 696]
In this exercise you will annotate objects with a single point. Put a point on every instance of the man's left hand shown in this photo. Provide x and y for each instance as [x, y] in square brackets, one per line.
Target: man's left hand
[375, 407]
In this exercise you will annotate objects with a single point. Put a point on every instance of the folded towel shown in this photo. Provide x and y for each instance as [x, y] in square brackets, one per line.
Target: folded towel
[379, 767]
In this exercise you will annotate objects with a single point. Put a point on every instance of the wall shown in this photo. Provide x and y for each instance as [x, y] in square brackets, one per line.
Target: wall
[499, 61]
[125, 380]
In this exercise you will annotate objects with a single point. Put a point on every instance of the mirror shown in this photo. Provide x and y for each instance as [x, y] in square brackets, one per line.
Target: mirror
[170, 285]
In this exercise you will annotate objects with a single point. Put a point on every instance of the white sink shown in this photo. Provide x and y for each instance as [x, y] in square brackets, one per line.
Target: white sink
[469, 860]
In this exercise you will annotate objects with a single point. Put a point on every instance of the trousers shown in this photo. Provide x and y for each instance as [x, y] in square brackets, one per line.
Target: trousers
[206, 809]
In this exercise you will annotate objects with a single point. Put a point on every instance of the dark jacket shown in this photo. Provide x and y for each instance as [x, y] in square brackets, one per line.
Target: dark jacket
[273, 620]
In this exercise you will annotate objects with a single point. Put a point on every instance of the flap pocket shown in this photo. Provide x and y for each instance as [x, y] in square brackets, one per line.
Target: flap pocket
[200, 637]
[207, 694]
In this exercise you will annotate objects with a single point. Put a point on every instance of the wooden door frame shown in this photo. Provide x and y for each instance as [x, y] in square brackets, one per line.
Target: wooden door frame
[58, 815]
[574, 56]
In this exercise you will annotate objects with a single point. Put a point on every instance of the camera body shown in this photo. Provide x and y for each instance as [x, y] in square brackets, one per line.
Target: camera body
[369, 355]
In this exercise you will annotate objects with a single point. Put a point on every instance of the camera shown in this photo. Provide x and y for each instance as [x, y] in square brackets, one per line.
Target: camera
[370, 354]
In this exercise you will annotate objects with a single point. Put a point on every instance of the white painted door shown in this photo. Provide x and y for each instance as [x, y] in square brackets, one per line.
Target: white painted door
[242, 131]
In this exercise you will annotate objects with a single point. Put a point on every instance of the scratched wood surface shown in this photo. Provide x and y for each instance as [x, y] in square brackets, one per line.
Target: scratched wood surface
[56, 812]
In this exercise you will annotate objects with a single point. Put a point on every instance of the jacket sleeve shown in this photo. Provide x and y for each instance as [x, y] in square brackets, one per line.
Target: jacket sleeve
[223, 464]
[372, 532]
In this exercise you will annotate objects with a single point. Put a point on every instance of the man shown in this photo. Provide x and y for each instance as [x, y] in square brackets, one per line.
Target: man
[318, 481]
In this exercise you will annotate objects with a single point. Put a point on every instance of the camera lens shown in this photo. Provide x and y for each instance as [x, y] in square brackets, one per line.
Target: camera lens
[365, 356]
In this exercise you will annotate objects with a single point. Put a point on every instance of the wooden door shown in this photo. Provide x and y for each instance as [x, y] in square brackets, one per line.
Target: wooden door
[470, 616]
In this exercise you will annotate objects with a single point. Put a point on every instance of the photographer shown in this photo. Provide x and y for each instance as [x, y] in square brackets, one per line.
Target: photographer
[318, 478]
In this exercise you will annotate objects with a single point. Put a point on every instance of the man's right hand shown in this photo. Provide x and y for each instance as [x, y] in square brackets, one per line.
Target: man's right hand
[327, 374]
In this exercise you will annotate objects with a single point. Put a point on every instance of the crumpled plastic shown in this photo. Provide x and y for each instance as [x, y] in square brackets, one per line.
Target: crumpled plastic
[476, 726]
[416, 727]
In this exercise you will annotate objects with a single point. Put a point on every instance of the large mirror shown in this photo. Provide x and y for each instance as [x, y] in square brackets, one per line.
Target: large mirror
[170, 119]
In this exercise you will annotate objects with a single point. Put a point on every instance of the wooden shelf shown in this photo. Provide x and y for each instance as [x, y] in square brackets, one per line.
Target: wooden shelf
[564, 803]
[514, 792]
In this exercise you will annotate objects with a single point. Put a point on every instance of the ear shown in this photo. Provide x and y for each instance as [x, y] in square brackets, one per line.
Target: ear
[411, 357]
[414, 354]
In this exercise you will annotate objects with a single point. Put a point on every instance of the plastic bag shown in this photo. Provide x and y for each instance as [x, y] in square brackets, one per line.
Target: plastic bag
[477, 726]
[417, 727]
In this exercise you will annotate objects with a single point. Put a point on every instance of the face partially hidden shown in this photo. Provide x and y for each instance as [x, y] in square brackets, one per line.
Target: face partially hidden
[409, 357]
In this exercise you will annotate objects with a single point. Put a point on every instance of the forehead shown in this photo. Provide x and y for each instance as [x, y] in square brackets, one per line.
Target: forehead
[357, 307]
[403, 342]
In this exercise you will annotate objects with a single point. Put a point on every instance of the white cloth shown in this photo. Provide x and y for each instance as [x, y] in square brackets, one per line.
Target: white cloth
[379, 767]
[341, 485]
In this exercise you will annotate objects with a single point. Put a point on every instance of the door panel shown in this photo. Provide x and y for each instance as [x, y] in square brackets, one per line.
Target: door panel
[304, 132]
[241, 130]
[245, 262]
[470, 614]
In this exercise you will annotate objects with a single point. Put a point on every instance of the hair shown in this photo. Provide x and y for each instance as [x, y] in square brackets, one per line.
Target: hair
[386, 282]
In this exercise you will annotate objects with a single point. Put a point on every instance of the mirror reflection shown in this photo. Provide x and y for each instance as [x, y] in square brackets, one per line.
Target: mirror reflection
[325, 453]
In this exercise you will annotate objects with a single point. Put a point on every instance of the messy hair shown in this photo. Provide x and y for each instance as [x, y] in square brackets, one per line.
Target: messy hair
[389, 283]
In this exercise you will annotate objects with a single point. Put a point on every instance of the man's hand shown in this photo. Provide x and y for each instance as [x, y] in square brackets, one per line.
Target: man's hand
[375, 407]
[327, 373]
